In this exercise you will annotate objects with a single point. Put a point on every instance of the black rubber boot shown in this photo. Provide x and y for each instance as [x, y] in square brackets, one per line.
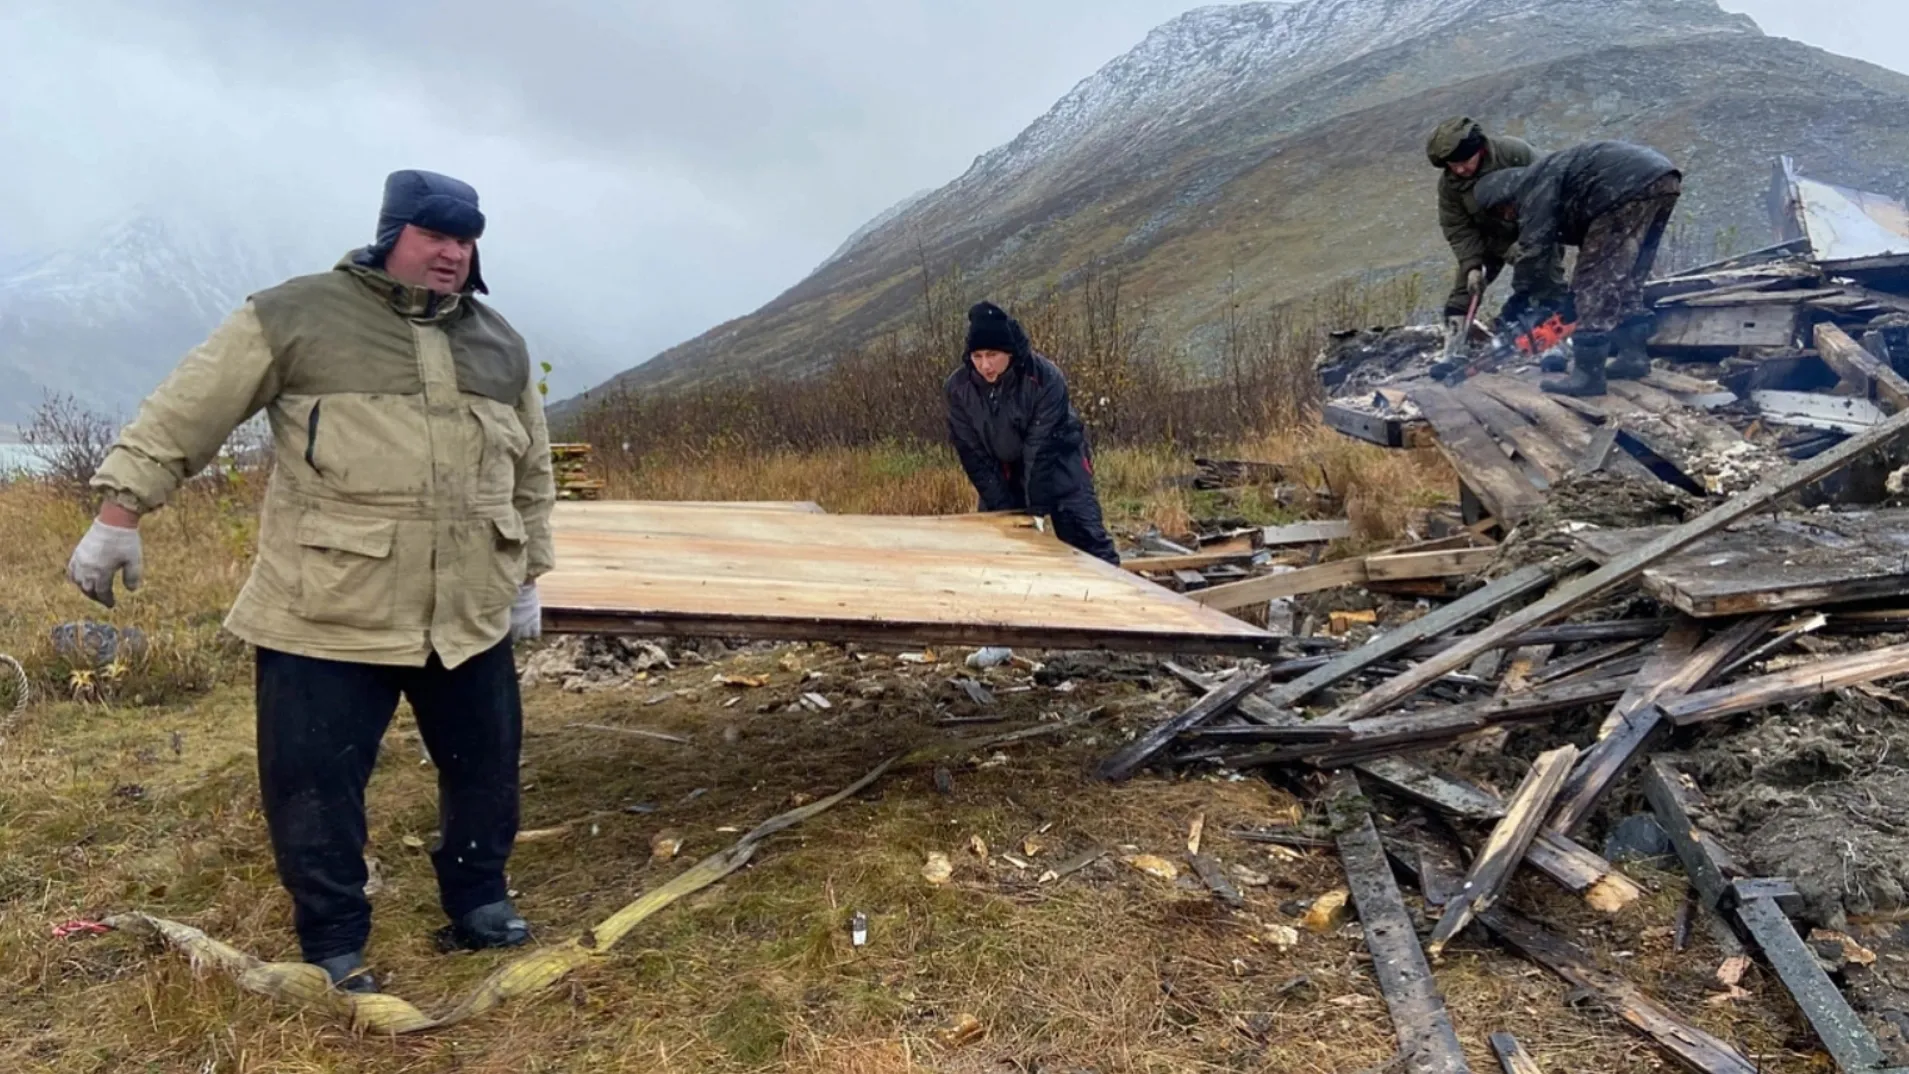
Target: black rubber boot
[1630, 358]
[1588, 352]
[348, 973]
[494, 925]
[1554, 361]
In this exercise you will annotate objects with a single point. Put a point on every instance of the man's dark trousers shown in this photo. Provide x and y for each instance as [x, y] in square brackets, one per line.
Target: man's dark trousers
[319, 724]
[1078, 522]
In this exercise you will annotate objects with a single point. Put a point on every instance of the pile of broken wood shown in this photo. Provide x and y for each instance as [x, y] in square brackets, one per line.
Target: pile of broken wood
[1737, 585]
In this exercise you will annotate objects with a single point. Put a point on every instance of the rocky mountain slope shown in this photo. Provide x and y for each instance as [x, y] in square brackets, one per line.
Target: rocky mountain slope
[1275, 148]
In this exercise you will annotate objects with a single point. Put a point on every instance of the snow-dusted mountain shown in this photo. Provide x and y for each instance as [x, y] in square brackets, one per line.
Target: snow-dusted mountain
[1262, 151]
[104, 321]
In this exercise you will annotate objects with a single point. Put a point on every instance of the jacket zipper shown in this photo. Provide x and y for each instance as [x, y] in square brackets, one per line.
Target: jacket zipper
[311, 439]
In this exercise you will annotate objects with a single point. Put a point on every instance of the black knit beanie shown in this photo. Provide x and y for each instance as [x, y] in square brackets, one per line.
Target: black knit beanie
[991, 329]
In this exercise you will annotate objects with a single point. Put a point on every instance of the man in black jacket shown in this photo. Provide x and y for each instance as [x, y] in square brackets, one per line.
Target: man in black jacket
[1018, 436]
[1613, 201]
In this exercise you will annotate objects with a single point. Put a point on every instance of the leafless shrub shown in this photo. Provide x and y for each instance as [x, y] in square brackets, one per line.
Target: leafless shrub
[70, 442]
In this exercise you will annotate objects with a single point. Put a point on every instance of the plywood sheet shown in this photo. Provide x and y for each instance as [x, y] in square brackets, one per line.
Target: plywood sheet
[643, 567]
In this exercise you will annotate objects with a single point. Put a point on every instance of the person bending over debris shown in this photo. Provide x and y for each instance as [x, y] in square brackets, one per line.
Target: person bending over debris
[1019, 438]
[405, 522]
[1613, 201]
[1481, 241]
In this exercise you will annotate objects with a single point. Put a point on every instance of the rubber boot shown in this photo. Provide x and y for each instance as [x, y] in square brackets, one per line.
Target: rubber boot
[1630, 358]
[348, 973]
[1588, 352]
[1554, 361]
[495, 924]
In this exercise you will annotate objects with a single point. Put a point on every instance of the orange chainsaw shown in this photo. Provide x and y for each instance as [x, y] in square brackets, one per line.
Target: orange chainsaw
[1533, 342]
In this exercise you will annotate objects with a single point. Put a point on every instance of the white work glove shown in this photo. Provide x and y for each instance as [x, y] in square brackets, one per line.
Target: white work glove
[102, 553]
[526, 614]
[1475, 282]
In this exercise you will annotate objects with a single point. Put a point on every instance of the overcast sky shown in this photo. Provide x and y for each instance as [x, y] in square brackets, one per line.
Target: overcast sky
[655, 166]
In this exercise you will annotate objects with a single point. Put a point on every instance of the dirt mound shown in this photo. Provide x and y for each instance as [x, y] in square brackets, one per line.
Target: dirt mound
[1818, 794]
[1599, 500]
[586, 662]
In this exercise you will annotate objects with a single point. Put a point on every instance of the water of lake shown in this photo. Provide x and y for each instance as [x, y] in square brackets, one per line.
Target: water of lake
[18, 458]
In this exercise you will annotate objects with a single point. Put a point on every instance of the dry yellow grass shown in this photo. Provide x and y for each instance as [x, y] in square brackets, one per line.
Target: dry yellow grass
[116, 804]
[1108, 970]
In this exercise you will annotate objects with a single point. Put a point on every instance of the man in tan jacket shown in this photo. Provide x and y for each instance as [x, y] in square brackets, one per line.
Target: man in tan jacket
[405, 523]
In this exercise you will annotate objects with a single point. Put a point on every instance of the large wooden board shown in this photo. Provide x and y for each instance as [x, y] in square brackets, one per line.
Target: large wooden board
[1503, 488]
[658, 568]
[1774, 565]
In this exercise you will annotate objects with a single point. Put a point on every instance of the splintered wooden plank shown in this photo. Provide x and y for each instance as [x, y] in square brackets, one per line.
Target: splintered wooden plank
[1578, 869]
[1861, 369]
[1380, 735]
[1525, 438]
[1480, 463]
[1640, 720]
[1799, 683]
[1658, 674]
[1131, 757]
[1773, 565]
[1694, 1048]
[1619, 571]
[1563, 426]
[1519, 583]
[1307, 533]
[1427, 1041]
[635, 567]
[1712, 873]
[1194, 562]
[1454, 563]
[1512, 1055]
[1493, 867]
[1750, 325]
[1253, 591]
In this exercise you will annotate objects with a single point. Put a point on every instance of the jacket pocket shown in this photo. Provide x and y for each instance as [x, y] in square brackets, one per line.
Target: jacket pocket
[346, 573]
[502, 443]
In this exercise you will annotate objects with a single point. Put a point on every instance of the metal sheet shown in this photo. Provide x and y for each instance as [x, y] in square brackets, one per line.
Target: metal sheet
[1841, 223]
[1815, 410]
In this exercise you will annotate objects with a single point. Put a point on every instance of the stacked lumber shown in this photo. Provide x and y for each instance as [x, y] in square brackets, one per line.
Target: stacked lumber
[572, 463]
[1740, 587]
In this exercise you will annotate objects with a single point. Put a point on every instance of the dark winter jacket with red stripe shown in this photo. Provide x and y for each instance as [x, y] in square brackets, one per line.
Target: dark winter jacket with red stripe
[1019, 438]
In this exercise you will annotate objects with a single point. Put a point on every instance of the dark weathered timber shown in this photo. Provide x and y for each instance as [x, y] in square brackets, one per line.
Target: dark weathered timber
[1506, 847]
[1384, 734]
[1214, 877]
[1841, 1030]
[1696, 1049]
[1710, 867]
[1861, 369]
[1607, 761]
[1760, 917]
[1130, 758]
[1599, 453]
[1482, 602]
[1419, 1019]
[1794, 684]
[1466, 444]
[1679, 644]
[1510, 427]
[1569, 430]
[1512, 1055]
[1809, 624]
[1305, 732]
[1415, 782]
[1621, 570]
[1774, 564]
[1586, 661]
[1576, 868]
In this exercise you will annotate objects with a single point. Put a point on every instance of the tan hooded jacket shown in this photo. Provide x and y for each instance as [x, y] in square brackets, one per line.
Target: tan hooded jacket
[411, 489]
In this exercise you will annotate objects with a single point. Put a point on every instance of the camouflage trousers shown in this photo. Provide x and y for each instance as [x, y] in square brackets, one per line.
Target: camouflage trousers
[1616, 257]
